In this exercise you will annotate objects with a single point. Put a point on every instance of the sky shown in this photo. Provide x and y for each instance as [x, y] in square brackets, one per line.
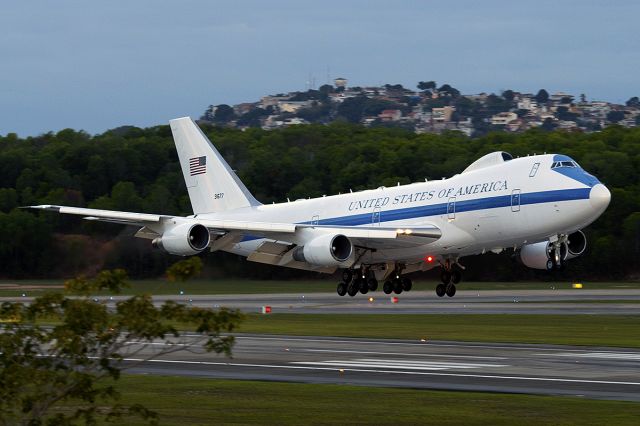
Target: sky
[102, 64]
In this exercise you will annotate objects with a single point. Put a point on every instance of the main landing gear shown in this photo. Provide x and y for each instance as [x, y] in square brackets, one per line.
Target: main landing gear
[364, 281]
[450, 276]
[353, 282]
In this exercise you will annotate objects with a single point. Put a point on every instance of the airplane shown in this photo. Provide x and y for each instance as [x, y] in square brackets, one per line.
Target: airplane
[536, 205]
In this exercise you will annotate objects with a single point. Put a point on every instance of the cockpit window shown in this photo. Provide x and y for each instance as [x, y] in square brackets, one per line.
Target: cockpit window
[566, 164]
[506, 156]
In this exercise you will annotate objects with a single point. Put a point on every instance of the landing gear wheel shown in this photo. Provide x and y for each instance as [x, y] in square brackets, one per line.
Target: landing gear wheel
[342, 289]
[387, 287]
[441, 290]
[397, 286]
[451, 290]
[373, 284]
[406, 284]
[347, 274]
[549, 265]
[445, 277]
[456, 276]
[364, 286]
[352, 290]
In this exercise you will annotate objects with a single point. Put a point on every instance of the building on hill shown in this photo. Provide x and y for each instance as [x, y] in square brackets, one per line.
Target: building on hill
[340, 82]
[390, 115]
[442, 115]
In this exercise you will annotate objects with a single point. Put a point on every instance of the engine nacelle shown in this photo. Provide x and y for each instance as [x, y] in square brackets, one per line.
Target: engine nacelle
[185, 239]
[325, 250]
[576, 244]
[536, 255]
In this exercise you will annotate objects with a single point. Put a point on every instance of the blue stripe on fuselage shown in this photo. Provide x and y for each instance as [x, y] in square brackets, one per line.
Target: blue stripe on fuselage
[460, 206]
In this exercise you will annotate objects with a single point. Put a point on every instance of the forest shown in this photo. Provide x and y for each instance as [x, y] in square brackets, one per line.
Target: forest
[134, 169]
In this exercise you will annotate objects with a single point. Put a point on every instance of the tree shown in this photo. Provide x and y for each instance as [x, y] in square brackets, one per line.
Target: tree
[542, 97]
[615, 116]
[223, 114]
[427, 85]
[185, 269]
[548, 124]
[633, 102]
[76, 361]
[447, 90]
[508, 95]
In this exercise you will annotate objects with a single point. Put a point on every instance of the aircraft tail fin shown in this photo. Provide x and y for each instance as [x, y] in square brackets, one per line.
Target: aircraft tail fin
[213, 186]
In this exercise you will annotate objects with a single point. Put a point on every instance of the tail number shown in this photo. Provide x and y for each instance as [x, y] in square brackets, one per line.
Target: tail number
[218, 195]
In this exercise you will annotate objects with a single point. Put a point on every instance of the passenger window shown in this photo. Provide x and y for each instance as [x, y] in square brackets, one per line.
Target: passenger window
[534, 169]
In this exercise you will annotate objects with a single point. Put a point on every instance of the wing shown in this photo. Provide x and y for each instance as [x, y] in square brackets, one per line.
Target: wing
[283, 236]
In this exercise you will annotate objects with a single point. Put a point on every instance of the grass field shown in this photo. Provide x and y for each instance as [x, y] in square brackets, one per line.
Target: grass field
[592, 330]
[195, 401]
[35, 287]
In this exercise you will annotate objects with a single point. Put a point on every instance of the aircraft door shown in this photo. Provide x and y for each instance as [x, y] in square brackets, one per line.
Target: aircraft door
[451, 208]
[515, 200]
[375, 217]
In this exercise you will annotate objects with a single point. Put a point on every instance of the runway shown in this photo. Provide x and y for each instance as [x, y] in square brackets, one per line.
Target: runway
[545, 302]
[601, 373]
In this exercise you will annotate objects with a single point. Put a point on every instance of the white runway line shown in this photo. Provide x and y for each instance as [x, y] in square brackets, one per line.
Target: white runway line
[399, 354]
[624, 356]
[398, 364]
[414, 373]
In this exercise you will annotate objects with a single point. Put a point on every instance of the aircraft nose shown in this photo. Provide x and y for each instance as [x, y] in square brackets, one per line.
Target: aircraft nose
[600, 197]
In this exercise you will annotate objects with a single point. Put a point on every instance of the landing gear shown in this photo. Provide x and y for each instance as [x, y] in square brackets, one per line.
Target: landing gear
[451, 290]
[353, 288]
[450, 276]
[354, 282]
[372, 283]
[364, 281]
[397, 286]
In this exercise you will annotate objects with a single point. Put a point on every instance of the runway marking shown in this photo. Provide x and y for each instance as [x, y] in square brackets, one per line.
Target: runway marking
[629, 356]
[397, 364]
[373, 342]
[416, 373]
[399, 353]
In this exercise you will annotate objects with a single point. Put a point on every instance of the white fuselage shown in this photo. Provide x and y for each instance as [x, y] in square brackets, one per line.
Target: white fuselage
[521, 201]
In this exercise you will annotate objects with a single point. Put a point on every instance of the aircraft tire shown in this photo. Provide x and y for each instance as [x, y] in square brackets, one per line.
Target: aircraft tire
[549, 265]
[407, 284]
[397, 286]
[342, 288]
[387, 287]
[440, 290]
[456, 276]
[451, 290]
[445, 277]
[364, 286]
[347, 275]
[373, 284]
[352, 290]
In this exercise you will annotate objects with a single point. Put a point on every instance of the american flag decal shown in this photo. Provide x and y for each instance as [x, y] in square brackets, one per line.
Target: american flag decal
[197, 165]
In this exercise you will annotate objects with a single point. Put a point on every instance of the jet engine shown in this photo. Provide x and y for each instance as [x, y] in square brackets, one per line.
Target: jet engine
[539, 255]
[185, 239]
[325, 250]
[576, 244]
